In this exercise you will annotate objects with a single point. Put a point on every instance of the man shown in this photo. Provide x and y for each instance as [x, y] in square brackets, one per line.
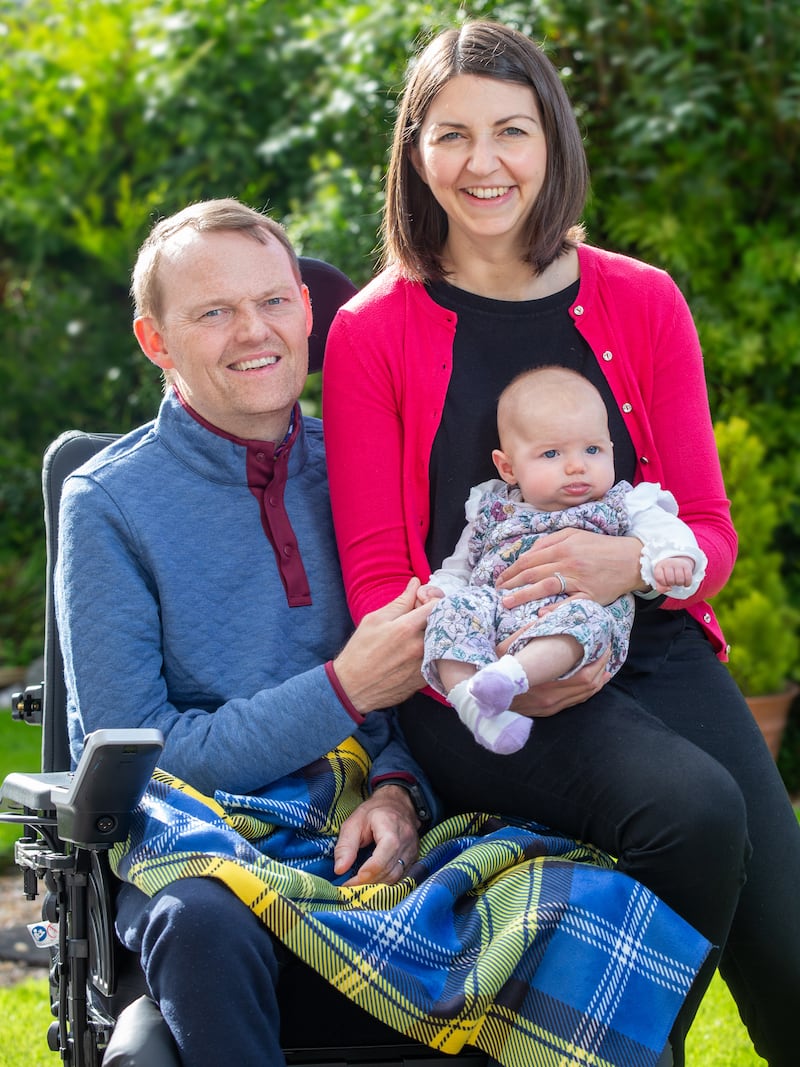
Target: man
[198, 592]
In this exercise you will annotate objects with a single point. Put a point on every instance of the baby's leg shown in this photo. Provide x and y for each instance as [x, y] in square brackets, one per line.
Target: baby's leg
[502, 733]
[494, 687]
[492, 724]
[542, 659]
[453, 671]
[460, 640]
[459, 633]
[549, 657]
[588, 628]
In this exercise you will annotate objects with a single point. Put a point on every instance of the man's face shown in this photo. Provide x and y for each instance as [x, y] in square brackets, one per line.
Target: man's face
[233, 334]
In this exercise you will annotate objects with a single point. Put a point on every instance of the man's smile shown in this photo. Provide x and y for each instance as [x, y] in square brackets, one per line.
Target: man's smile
[254, 364]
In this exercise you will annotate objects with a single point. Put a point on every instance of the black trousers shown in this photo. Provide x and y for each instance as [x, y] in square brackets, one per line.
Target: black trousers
[666, 770]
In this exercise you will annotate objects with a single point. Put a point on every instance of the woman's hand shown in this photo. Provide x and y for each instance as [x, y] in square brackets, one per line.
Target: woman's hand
[593, 566]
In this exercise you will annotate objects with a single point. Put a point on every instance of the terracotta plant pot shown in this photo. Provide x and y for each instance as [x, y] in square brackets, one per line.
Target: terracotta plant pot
[771, 712]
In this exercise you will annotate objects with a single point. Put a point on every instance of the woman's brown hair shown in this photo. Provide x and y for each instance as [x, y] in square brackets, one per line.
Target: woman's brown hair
[414, 226]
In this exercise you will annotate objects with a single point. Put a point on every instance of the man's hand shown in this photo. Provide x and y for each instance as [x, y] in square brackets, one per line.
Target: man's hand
[388, 818]
[380, 664]
[594, 566]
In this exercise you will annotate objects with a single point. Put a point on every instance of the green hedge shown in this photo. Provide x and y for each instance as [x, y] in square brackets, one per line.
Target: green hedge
[116, 111]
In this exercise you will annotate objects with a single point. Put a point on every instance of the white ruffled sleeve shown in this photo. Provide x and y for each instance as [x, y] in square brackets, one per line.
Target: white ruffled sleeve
[653, 512]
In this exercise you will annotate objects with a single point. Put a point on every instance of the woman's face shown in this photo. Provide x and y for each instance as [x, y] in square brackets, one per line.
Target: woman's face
[483, 155]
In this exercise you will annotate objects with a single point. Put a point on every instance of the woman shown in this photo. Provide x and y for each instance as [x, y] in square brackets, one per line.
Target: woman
[486, 274]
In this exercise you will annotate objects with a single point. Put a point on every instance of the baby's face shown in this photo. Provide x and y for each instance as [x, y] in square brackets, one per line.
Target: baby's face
[559, 458]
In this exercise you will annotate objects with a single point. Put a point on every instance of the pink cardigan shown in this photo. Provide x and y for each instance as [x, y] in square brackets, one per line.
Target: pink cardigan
[387, 369]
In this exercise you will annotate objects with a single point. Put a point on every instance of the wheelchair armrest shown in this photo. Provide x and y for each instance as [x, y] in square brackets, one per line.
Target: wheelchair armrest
[94, 810]
[91, 806]
[33, 792]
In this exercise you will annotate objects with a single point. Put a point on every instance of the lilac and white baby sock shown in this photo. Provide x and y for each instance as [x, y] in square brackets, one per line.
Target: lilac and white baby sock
[483, 701]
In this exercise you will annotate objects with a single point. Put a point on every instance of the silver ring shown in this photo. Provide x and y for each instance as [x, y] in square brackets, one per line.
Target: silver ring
[563, 581]
[401, 862]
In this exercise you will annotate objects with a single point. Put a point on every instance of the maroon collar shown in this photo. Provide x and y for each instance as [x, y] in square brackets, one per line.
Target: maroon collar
[267, 472]
[267, 467]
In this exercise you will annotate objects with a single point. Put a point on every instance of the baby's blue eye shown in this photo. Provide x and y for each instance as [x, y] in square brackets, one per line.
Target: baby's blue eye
[551, 453]
[592, 450]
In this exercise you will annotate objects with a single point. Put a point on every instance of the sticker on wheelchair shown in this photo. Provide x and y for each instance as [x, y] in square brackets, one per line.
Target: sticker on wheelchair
[43, 934]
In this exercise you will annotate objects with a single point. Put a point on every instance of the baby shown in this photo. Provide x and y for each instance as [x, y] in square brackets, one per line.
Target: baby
[557, 470]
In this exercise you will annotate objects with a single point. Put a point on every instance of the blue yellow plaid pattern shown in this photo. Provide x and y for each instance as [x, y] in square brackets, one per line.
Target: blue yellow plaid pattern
[503, 935]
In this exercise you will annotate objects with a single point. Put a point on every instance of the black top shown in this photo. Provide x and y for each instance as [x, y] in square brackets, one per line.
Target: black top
[495, 341]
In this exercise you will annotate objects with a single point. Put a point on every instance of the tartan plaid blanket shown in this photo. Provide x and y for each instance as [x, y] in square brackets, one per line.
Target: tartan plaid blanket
[503, 935]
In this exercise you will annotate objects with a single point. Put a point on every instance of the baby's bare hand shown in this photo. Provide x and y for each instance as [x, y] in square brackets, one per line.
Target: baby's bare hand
[678, 570]
[427, 593]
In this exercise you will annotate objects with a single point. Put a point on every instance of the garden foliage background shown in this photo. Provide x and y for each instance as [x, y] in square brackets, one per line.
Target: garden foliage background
[113, 112]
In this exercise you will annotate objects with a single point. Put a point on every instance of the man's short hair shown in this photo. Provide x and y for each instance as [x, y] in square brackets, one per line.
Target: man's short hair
[207, 216]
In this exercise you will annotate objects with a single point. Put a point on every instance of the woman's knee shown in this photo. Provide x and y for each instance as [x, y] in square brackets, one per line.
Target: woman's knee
[699, 812]
[716, 806]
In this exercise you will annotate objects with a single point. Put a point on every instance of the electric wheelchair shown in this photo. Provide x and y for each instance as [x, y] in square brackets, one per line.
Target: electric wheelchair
[70, 820]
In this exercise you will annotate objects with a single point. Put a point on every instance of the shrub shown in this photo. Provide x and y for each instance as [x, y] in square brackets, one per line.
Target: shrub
[754, 608]
[114, 111]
